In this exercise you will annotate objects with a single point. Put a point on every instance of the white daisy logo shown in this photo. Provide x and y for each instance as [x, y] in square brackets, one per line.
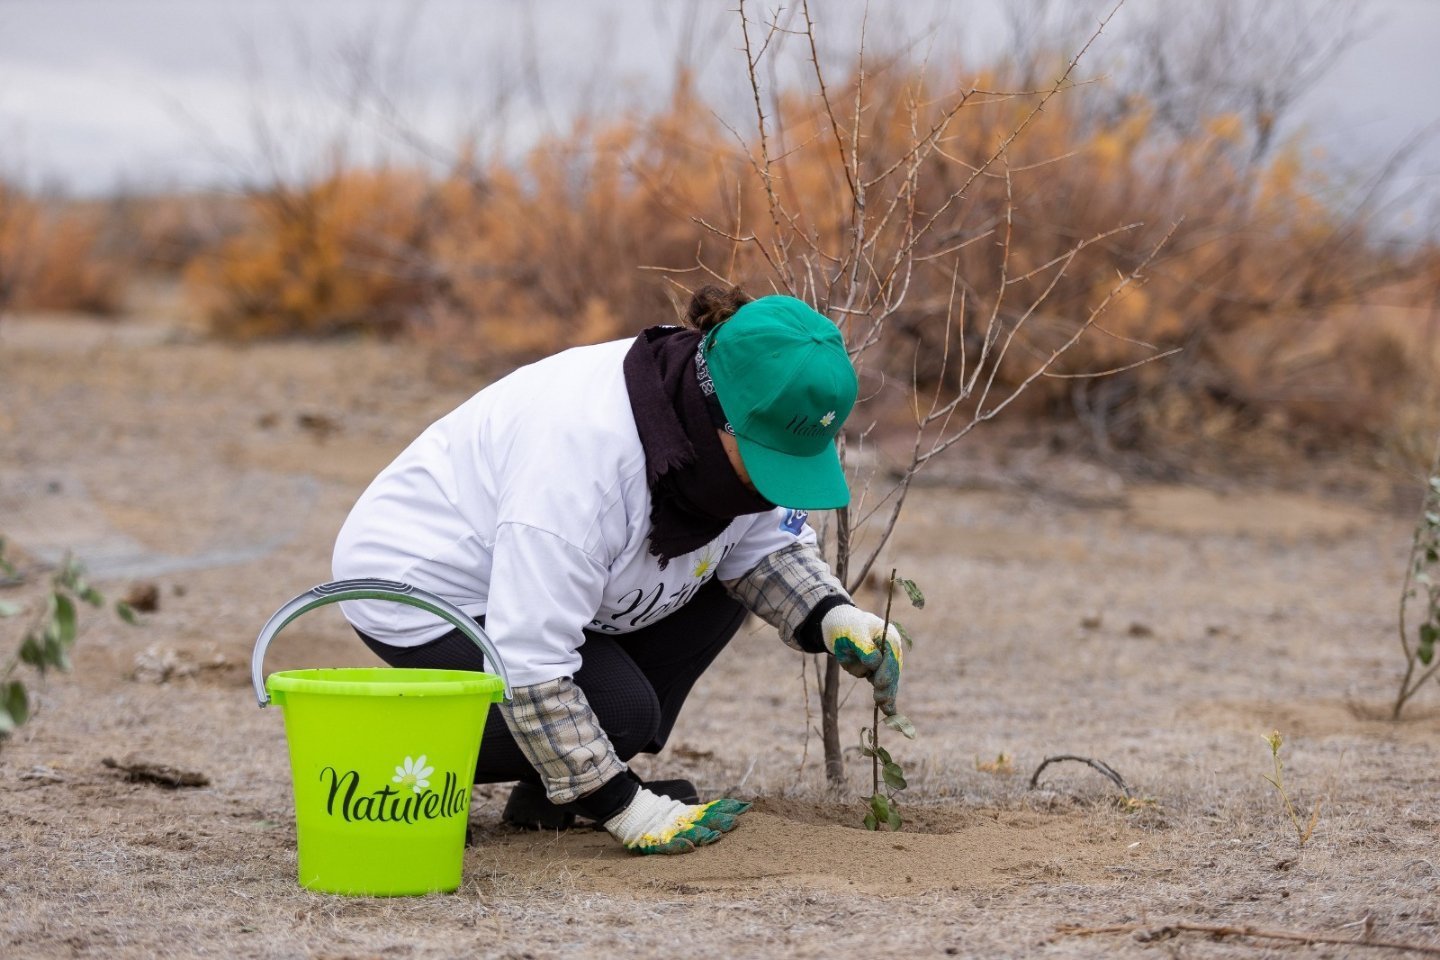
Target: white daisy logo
[413, 774]
[703, 565]
[828, 419]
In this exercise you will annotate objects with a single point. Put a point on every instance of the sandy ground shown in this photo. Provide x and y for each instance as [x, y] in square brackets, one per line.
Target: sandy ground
[1164, 630]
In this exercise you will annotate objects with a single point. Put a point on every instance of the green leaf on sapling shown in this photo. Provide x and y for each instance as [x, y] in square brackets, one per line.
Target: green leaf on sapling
[894, 776]
[1429, 634]
[55, 654]
[32, 651]
[65, 625]
[870, 822]
[880, 807]
[902, 725]
[917, 599]
[884, 755]
[126, 613]
[14, 701]
[894, 821]
[904, 634]
[93, 597]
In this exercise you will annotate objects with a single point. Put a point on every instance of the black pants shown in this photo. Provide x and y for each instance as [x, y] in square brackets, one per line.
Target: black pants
[635, 682]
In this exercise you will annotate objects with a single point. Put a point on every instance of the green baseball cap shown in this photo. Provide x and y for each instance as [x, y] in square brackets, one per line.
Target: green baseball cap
[785, 382]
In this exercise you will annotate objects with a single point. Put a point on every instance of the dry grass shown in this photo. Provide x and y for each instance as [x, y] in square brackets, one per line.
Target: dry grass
[1262, 610]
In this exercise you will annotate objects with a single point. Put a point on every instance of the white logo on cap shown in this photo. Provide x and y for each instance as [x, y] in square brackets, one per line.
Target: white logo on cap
[828, 419]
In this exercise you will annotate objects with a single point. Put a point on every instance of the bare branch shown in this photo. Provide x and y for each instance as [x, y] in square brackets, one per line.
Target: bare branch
[781, 263]
[1070, 254]
[845, 161]
[1020, 128]
[981, 415]
[1105, 373]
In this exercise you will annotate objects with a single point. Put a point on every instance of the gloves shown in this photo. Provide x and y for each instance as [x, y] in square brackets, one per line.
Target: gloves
[656, 824]
[853, 636]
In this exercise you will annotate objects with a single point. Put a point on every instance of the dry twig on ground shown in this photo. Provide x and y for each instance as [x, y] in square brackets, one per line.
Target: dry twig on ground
[1104, 768]
[1149, 933]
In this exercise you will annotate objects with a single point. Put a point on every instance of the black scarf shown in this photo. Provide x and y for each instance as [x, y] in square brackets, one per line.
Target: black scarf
[694, 491]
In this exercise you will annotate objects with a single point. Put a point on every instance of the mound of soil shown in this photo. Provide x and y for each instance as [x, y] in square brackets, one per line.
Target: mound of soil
[800, 845]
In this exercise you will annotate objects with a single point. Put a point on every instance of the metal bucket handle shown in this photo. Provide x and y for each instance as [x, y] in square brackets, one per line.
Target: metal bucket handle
[368, 589]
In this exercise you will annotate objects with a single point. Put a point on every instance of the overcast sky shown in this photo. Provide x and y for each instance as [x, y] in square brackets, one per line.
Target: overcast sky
[160, 93]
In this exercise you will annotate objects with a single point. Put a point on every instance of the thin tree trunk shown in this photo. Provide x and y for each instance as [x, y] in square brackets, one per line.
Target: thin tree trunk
[830, 690]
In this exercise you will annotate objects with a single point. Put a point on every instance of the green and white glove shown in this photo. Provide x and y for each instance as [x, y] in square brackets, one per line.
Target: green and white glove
[656, 824]
[854, 637]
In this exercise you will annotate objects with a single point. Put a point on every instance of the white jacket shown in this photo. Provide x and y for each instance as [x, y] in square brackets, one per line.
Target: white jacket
[529, 504]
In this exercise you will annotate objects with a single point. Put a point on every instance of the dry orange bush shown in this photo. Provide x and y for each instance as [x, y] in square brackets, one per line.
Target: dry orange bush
[76, 267]
[318, 258]
[552, 253]
[56, 256]
[1260, 283]
[19, 221]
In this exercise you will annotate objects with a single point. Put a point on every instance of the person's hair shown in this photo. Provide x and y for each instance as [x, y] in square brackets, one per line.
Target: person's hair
[711, 306]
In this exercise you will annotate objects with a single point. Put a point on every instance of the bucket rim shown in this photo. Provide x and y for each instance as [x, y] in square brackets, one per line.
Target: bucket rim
[387, 682]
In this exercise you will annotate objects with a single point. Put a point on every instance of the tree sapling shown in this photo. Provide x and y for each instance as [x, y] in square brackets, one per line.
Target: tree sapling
[1422, 586]
[47, 642]
[887, 776]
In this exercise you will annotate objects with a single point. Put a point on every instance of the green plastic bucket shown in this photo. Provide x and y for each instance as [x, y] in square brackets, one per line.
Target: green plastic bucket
[382, 759]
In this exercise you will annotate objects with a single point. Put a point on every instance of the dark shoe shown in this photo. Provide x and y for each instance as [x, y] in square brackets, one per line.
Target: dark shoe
[529, 808]
[682, 790]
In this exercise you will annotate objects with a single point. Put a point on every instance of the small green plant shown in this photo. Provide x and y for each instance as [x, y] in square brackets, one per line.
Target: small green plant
[1422, 586]
[47, 641]
[1303, 832]
[887, 776]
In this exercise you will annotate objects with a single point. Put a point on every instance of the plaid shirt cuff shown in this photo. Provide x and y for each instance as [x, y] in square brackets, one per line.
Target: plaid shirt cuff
[785, 587]
[559, 734]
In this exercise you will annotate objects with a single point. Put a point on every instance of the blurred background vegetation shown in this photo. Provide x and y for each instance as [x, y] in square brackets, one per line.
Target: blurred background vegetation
[1305, 329]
